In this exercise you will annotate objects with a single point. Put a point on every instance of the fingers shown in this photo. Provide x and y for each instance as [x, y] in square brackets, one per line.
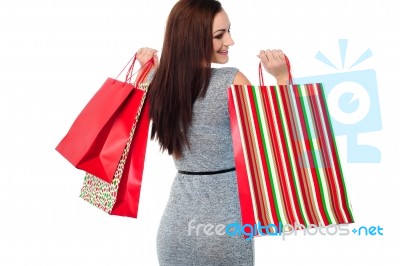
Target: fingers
[272, 57]
[269, 55]
[274, 62]
[144, 54]
[146, 51]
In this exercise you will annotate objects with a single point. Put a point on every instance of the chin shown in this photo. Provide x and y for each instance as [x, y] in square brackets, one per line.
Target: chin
[221, 61]
[218, 59]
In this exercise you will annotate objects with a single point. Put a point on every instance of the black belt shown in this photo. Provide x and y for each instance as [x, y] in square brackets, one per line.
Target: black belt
[208, 172]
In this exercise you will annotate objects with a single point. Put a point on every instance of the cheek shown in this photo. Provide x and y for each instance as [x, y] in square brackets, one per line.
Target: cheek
[216, 45]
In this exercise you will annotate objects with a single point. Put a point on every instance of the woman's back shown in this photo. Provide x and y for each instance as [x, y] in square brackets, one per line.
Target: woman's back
[204, 195]
[201, 195]
[210, 134]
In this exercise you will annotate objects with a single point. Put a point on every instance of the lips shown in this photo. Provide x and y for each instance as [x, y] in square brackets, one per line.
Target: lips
[223, 52]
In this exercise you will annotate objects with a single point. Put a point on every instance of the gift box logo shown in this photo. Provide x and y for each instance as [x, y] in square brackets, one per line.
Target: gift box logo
[353, 103]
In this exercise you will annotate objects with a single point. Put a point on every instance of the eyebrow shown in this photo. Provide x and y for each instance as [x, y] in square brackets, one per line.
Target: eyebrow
[223, 30]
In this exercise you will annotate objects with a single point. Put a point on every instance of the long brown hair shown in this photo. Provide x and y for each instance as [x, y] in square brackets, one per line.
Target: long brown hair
[184, 72]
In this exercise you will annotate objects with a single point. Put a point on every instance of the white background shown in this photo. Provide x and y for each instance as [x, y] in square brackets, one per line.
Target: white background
[54, 55]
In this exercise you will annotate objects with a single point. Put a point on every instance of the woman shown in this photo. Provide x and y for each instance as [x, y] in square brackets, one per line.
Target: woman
[190, 120]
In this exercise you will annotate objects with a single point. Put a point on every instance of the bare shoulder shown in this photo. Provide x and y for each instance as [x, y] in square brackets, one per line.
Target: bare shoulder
[241, 79]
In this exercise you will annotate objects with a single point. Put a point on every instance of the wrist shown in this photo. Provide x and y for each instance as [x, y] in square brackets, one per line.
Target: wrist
[282, 81]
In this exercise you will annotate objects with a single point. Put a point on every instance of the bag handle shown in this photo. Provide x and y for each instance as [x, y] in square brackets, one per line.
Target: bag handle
[146, 69]
[261, 77]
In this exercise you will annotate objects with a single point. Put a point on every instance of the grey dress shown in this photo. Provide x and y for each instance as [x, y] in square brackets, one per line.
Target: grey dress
[191, 230]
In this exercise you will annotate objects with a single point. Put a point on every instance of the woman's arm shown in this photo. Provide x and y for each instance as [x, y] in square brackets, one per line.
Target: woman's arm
[274, 63]
[241, 79]
[143, 55]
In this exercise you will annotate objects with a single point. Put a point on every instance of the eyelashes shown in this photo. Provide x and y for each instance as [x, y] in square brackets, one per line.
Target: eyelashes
[219, 36]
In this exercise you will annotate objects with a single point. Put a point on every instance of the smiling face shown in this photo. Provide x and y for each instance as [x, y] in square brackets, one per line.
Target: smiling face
[221, 38]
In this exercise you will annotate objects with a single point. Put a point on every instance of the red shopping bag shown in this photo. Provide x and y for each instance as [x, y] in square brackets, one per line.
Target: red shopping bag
[127, 199]
[98, 136]
[288, 169]
[121, 196]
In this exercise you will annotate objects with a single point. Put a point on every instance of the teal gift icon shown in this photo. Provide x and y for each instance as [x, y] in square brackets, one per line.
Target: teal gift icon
[353, 103]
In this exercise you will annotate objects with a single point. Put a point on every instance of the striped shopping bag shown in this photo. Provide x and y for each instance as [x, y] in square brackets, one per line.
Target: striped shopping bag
[287, 163]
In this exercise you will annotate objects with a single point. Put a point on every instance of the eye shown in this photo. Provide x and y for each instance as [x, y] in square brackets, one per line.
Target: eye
[221, 35]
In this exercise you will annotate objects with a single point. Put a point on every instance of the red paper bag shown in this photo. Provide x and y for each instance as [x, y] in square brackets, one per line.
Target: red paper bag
[98, 136]
[127, 200]
[121, 196]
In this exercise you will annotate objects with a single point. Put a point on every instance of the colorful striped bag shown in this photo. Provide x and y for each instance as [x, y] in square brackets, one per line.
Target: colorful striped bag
[288, 170]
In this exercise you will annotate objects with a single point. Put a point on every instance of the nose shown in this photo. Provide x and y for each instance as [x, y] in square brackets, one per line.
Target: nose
[228, 40]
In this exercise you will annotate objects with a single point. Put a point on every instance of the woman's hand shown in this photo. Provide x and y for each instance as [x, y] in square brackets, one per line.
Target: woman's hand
[274, 63]
[143, 55]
